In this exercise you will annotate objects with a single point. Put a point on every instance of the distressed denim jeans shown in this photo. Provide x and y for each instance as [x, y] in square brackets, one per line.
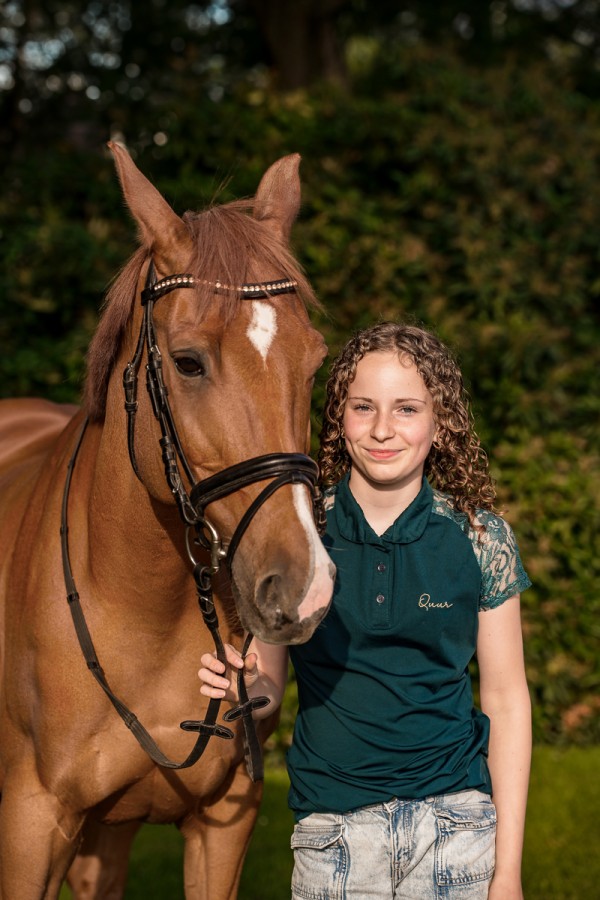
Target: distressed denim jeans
[440, 848]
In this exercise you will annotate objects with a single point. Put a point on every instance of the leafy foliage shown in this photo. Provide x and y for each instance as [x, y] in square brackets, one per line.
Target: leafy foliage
[461, 195]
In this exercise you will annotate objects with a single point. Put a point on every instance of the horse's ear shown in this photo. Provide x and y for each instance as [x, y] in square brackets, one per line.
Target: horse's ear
[277, 199]
[160, 227]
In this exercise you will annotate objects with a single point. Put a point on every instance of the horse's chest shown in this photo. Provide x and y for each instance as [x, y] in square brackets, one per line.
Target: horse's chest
[163, 795]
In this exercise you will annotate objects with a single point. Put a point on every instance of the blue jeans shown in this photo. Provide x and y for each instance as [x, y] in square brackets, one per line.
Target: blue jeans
[440, 848]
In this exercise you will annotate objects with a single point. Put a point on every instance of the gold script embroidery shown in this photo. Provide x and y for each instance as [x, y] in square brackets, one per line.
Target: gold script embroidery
[425, 602]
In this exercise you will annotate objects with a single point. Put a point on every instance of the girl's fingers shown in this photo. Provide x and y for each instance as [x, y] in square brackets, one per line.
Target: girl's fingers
[213, 693]
[233, 657]
[251, 666]
[211, 679]
[210, 661]
[212, 675]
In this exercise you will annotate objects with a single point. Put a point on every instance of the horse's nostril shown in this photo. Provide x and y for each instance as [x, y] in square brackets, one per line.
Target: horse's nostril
[268, 599]
[268, 594]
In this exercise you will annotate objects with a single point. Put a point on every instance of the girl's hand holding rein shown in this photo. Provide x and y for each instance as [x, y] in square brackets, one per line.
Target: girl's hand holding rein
[265, 674]
[220, 681]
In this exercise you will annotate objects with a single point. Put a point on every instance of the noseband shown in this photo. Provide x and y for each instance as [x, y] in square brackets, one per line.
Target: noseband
[278, 468]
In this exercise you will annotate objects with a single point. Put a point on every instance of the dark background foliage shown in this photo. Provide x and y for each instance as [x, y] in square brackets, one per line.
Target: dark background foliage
[450, 171]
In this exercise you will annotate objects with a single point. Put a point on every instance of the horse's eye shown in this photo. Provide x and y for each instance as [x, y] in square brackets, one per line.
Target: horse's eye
[189, 366]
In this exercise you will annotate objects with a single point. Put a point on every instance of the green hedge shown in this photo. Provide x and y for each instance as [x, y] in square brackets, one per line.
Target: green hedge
[465, 198]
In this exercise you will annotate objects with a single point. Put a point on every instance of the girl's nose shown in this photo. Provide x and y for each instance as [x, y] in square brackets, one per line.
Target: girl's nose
[383, 427]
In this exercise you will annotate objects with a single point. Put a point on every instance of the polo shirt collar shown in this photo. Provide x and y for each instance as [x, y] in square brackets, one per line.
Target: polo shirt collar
[408, 527]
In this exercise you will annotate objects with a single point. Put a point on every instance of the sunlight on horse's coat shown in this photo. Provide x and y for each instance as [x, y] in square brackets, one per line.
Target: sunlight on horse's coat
[263, 327]
[75, 783]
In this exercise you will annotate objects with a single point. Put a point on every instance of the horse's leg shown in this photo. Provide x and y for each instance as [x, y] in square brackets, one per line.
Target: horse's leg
[217, 840]
[100, 868]
[38, 838]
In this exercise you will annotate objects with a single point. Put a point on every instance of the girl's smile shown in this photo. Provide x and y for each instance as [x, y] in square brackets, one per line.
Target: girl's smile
[383, 454]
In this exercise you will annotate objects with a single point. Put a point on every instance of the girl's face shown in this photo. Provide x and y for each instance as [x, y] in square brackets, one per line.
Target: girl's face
[388, 423]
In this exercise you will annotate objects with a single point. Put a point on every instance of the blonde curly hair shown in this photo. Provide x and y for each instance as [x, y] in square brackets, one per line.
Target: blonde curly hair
[456, 464]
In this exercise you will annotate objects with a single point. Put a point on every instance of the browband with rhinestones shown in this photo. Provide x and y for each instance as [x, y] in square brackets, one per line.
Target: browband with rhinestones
[246, 291]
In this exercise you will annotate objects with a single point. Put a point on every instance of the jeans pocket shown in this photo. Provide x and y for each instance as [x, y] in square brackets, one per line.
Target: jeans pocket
[466, 845]
[320, 858]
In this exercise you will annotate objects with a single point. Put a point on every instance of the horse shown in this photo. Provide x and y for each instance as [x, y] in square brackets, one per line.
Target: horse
[129, 522]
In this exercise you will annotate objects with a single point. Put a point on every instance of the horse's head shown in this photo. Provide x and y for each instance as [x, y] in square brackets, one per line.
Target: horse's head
[238, 374]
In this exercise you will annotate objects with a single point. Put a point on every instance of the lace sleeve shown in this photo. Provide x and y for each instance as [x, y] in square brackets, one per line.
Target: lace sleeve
[502, 571]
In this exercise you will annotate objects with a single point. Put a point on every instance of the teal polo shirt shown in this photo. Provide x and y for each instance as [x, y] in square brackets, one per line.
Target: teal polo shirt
[385, 700]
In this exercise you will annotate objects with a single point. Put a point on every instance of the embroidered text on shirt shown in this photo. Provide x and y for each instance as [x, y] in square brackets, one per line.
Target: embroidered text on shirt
[425, 602]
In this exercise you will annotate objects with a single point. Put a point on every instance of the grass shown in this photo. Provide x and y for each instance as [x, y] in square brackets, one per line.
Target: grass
[561, 833]
[562, 825]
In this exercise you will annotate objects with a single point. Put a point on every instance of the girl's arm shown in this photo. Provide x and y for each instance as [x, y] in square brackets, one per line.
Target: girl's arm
[505, 699]
[266, 670]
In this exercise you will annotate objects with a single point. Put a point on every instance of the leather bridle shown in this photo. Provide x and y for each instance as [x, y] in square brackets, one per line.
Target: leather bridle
[278, 468]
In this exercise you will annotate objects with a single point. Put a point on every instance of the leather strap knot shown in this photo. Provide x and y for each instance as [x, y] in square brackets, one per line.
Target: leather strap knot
[206, 728]
[245, 709]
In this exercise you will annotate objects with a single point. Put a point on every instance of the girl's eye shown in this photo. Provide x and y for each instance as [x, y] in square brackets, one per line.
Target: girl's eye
[407, 410]
[189, 366]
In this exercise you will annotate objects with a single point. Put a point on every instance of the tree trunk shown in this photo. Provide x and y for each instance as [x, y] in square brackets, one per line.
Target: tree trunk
[301, 37]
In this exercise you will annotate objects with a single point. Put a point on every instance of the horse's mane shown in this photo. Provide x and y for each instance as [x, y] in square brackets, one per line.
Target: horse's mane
[226, 242]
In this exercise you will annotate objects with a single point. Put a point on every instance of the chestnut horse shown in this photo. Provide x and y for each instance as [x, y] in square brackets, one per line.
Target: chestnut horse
[214, 306]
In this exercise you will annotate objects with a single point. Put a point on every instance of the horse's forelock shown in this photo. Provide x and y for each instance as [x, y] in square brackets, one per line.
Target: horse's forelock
[227, 242]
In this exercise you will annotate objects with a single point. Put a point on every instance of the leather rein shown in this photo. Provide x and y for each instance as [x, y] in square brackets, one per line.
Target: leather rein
[278, 468]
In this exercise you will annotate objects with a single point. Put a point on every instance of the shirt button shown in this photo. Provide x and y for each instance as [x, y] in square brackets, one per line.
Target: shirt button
[381, 567]
[380, 598]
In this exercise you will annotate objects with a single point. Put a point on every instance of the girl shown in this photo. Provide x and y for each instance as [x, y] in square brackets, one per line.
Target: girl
[400, 786]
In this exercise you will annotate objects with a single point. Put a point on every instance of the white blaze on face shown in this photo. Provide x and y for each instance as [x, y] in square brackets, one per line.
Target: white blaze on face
[319, 591]
[263, 327]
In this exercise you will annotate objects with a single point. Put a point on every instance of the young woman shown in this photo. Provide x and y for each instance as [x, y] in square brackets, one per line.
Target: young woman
[401, 787]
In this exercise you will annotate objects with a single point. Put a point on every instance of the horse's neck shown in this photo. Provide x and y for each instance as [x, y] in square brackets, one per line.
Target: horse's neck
[135, 547]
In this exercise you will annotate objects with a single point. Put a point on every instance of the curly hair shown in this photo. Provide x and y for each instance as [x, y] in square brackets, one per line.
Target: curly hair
[456, 464]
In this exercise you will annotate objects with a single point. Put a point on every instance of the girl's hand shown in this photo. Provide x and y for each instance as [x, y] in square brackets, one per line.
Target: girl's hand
[220, 681]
